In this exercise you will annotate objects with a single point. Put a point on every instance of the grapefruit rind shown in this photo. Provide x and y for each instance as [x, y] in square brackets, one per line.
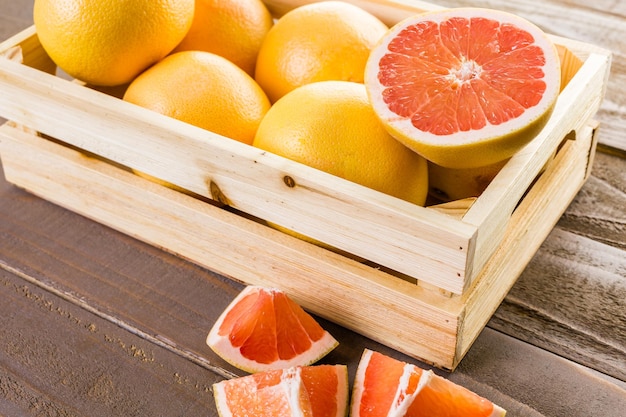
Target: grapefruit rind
[258, 397]
[474, 147]
[406, 393]
[223, 347]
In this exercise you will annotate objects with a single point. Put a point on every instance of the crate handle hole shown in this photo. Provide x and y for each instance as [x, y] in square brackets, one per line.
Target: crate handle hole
[570, 136]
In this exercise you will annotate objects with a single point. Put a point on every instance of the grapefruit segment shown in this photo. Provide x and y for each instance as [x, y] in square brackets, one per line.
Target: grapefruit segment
[464, 87]
[311, 391]
[386, 387]
[263, 329]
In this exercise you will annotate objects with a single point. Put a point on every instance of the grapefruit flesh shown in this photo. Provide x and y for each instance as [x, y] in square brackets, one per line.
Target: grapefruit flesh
[388, 387]
[311, 391]
[464, 87]
[263, 329]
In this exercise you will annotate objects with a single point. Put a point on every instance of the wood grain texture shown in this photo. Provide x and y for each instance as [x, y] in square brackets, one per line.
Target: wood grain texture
[599, 210]
[571, 299]
[61, 273]
[126, 320]
[437, 330]
[59, 359]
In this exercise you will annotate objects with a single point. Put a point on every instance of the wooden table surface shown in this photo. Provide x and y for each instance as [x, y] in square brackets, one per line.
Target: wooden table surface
[95, 323]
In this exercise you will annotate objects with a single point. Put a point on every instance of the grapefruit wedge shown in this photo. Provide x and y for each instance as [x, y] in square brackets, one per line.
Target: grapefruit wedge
[263, 329]
[311, 391]
[386, 387]
[464, 87]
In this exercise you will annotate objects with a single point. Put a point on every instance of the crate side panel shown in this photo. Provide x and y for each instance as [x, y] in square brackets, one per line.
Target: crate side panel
[361, 298]
[576, 105]
[530, 225]
[421, 243]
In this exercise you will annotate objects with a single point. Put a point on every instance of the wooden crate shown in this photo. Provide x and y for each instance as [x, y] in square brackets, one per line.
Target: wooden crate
[423, 280]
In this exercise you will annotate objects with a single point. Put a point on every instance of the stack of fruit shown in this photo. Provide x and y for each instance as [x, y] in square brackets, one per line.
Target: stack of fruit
[449, 95]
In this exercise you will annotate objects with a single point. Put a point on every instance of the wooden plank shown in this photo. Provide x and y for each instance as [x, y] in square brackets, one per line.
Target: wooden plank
[585, 321]
[598, 211]
[56, 358]
[492, 210]
[530, 224]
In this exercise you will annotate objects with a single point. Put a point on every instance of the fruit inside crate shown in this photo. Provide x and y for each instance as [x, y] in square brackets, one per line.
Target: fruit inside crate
[463, 256]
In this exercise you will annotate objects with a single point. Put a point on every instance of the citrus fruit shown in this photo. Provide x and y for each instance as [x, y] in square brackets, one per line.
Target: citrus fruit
[233, 29]
[109, 42]
[449, 184]
[312, 391]
[330, 125]
[264, 329]
[384, 386]
[202, 89]
[464, 87]
[329, 40]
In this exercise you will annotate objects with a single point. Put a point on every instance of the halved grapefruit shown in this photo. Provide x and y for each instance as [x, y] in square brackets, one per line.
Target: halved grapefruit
[311, 391]
[263, 329]
[464, 87]
[387, 387]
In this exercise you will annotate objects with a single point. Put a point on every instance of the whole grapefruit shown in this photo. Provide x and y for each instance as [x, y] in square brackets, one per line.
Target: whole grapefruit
[109, 42]
[330, 125]
[323, 41]
[205, 90]
[233, 29]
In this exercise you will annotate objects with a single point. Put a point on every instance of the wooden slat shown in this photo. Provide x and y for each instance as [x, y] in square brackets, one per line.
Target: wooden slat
[31, 51]
[589, 326]
[56, 358]
[570, 299]
[491, 212]
[530, 225]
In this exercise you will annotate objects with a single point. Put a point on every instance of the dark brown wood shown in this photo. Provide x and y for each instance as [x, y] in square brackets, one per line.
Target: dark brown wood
[59, 359]
[571, 299]
[93, 322]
